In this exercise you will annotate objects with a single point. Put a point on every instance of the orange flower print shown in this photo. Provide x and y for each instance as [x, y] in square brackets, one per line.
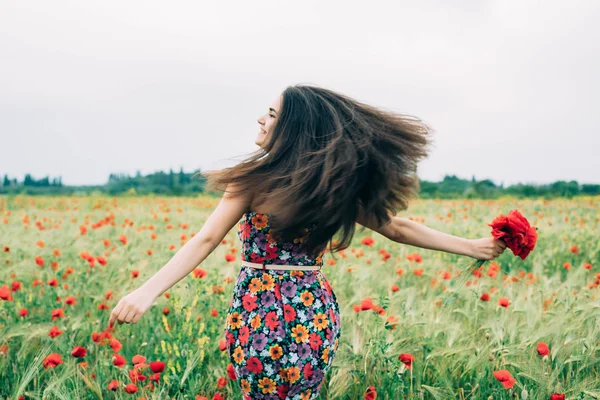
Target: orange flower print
[260, 221]
[267, 385]
[293, 374]
[300, 333]
[276, 351]
[268, 282]
[255, 285]
[320, 320]
[325, 355]
[238, 355]
[245, 386]
[283, 373]
[305, 395]
[307, 298]
[234, 320]
[256, 322]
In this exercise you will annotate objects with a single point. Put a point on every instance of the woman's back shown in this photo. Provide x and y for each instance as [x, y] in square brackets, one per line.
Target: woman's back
[258, 246]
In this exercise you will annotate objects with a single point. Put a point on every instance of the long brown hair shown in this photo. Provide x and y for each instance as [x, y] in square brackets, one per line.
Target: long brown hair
[326, 156]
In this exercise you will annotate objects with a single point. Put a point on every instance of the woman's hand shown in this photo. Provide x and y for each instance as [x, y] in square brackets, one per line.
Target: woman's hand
[486, 248]
[131, 307]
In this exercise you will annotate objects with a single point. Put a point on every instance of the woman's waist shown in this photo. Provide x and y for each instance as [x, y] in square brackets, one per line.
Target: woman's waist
[269, 264]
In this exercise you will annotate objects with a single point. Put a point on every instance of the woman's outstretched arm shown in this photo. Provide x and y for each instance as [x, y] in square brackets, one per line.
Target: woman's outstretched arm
[228, 212]
[419, 235]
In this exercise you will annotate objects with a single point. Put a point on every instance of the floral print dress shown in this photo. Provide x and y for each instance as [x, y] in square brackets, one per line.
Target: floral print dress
[283, 326]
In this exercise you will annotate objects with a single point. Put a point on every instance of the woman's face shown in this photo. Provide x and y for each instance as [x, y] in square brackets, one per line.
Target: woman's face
[267, 121]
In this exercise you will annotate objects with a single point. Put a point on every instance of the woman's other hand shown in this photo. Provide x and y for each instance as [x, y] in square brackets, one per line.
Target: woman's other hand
[487, 248]
[131, 307]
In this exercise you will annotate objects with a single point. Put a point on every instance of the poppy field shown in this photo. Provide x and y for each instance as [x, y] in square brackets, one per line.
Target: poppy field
[416, 323]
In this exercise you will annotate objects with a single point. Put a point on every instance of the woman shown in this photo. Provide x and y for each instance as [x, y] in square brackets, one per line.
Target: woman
[325, 162]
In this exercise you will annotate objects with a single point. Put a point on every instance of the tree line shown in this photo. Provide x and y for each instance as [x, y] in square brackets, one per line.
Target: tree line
[192, 183]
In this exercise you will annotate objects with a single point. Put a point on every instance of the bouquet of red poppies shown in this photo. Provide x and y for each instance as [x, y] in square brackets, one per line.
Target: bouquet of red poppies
[514, 230]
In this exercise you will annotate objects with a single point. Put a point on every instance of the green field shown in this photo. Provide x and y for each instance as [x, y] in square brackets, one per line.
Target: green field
[66, 261]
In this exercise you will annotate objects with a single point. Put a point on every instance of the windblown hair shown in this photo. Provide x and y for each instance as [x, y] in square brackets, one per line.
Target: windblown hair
[327, 156]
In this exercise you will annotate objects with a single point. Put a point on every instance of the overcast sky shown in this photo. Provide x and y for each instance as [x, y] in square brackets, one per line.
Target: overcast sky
[87, 88]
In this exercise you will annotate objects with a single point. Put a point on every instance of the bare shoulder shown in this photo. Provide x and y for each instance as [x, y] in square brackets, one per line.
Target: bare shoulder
[388, 230]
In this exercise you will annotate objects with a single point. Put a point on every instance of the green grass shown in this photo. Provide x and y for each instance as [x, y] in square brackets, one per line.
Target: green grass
[456, 346]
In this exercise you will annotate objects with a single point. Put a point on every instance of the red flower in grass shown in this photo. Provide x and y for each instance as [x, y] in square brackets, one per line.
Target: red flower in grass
[231, 371]
[137, 359]
[505, 378]
[54, 332]
[157, 366]
[542, 349]
[407, 359]
[115, 345]
[221, 382]
[371, 393]
[118, 360]
[78, 351]
[366, 304]
[557, 396]
[113, 385]
[57, 313]
[503, 302]
[52, 360]
[5, 293]
[131, 388]
[39, 261]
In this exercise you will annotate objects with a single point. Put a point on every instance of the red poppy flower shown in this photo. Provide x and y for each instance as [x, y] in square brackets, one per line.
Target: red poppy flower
[542, 349]
[366, 304]
[407, 359]
[39, 261]
[118, 360]
[5, 293]
[221, 382]
[52, 360]
[113, 385]
[515, 231]
[78, 351]
[503, 302]
[371, 393]
[157, 366]
[505, 378]
[231, 372]
[131, 388]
